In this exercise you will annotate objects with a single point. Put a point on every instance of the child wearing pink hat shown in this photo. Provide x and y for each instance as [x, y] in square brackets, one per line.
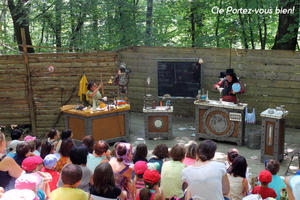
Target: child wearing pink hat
[33, 165]
[139, 168]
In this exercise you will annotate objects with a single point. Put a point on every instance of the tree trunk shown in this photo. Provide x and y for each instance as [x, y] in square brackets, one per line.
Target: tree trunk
[149, 23]
[192, 20]
[20, 20]
[259, 28]
[250, 27]
[243, 27]
[3, 19]
[58, 11]
[217, 26]
[286, 36]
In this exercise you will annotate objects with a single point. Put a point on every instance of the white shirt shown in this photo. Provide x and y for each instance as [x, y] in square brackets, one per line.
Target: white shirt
[205, 181]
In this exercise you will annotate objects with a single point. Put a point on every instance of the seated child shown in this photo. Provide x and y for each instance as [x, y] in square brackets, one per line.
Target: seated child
[265, 177]
[139, 168]
[33, 165]
[49, 167]
[22, 151]
[231, 155]
[71, 175]
[277, 182]
[160, 152]
[140, 154]
[151, 191]
[30, 182]
[190, 156]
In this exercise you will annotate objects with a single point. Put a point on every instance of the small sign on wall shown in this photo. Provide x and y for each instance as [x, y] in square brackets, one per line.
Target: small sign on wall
[51, 68]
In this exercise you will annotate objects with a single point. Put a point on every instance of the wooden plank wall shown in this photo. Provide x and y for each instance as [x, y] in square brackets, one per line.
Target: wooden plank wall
[49, 89]
[271, 78]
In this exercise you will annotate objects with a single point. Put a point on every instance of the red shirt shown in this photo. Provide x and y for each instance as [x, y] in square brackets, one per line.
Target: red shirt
[55, 176]
[264, 192]
[229, 97]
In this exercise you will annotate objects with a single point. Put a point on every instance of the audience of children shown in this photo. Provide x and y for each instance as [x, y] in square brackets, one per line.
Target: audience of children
[189, 174]
[171, 182]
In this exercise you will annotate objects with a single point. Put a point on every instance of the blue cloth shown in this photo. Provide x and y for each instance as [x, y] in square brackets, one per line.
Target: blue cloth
[158, 160]
[10, 154]
[93, 162]
[277, 184]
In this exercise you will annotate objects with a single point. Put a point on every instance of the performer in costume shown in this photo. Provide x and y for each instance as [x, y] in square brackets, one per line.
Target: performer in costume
[229, 86]
[93, 93]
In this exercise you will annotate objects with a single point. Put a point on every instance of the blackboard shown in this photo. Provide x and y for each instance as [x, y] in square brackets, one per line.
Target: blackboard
[179, 79]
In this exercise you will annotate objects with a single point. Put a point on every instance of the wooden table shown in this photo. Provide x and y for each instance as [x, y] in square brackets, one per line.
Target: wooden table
[222, 121]
[158, 122]
[110, 126]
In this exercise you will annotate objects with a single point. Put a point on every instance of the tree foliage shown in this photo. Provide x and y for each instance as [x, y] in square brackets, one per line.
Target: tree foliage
[91, 25]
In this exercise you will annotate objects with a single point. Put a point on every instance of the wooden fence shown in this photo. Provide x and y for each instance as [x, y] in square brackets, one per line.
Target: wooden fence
[271, 78]
[50, 90]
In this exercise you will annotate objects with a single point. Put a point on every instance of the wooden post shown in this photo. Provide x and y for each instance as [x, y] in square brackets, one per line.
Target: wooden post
[28, 84]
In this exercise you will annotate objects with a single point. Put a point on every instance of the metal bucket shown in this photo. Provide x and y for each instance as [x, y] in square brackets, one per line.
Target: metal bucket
[254, 139]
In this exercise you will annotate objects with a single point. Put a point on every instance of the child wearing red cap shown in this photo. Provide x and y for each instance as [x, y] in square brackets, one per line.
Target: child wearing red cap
[151, 191]
[265, 177]
[139, 168]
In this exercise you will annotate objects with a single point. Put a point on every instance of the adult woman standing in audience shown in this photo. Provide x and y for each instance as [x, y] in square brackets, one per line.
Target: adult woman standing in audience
[78, 156]
[122, 170]
[206, 179]
[8, 167]
[64, 152]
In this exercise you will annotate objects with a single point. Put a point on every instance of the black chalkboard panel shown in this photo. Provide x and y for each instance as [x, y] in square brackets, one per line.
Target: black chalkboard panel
[179, 79]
